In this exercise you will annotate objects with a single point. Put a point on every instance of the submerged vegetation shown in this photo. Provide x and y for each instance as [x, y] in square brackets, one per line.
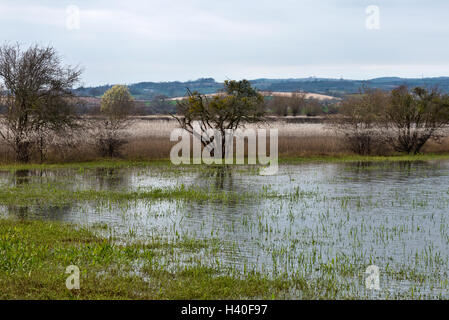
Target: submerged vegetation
[35, 254]
[60, 194]
[120, 163]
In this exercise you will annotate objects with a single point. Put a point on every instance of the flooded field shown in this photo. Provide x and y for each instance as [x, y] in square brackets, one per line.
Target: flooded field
[323, 223]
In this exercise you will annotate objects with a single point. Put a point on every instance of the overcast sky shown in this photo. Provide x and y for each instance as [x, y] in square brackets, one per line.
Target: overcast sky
[131, 41]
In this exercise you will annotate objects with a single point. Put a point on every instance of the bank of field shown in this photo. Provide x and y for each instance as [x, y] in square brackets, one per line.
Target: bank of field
[152, 230]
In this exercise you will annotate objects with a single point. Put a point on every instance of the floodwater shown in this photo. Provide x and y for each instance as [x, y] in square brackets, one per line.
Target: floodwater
[314, 219]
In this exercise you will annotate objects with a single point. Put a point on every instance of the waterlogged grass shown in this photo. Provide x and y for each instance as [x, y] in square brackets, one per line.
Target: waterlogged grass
[105, 163]
[359, 158]
[200, 232]
[34, 256]
[58, 194]
[117, 164]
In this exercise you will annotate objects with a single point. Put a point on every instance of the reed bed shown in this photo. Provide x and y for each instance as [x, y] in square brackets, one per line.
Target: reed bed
[149, 138]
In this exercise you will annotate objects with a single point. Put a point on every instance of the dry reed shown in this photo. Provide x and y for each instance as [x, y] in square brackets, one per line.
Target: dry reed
[150, 139]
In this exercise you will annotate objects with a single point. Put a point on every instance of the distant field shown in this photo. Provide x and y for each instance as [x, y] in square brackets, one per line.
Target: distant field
[96, 101]
[308, 95]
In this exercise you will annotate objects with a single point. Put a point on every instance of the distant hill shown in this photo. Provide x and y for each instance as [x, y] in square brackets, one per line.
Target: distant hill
[151, 90]
[326, 86]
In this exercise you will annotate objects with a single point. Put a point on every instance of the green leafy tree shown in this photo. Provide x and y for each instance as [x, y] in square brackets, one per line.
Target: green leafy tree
[117, 105]
[236, 104]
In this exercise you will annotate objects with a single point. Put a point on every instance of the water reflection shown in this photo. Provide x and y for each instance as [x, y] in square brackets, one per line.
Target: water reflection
[34, 179]
[45, 212]
[21, 177]
[19, 212]
[219, 177]
[109, 178]
[389, 171]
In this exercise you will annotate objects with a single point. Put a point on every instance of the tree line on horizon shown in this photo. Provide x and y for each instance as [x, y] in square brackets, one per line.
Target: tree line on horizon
[333, 87]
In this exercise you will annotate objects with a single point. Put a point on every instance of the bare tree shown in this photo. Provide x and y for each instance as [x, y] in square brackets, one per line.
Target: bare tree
[415, 117]
[279, 105]
[313, 107]
[359, 119]
[297, 102]
[293, 102]
[38, 98]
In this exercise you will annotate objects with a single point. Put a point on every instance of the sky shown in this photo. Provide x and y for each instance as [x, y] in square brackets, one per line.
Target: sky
[131, 41]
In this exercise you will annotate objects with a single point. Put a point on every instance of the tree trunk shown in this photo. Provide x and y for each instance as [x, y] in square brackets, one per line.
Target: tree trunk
[22, 151]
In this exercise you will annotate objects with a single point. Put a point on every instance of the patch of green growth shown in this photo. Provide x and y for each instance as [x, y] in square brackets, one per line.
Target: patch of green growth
[107, 164]
[60, 194]
[34, 256]
[116, 164]
[358, 158]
